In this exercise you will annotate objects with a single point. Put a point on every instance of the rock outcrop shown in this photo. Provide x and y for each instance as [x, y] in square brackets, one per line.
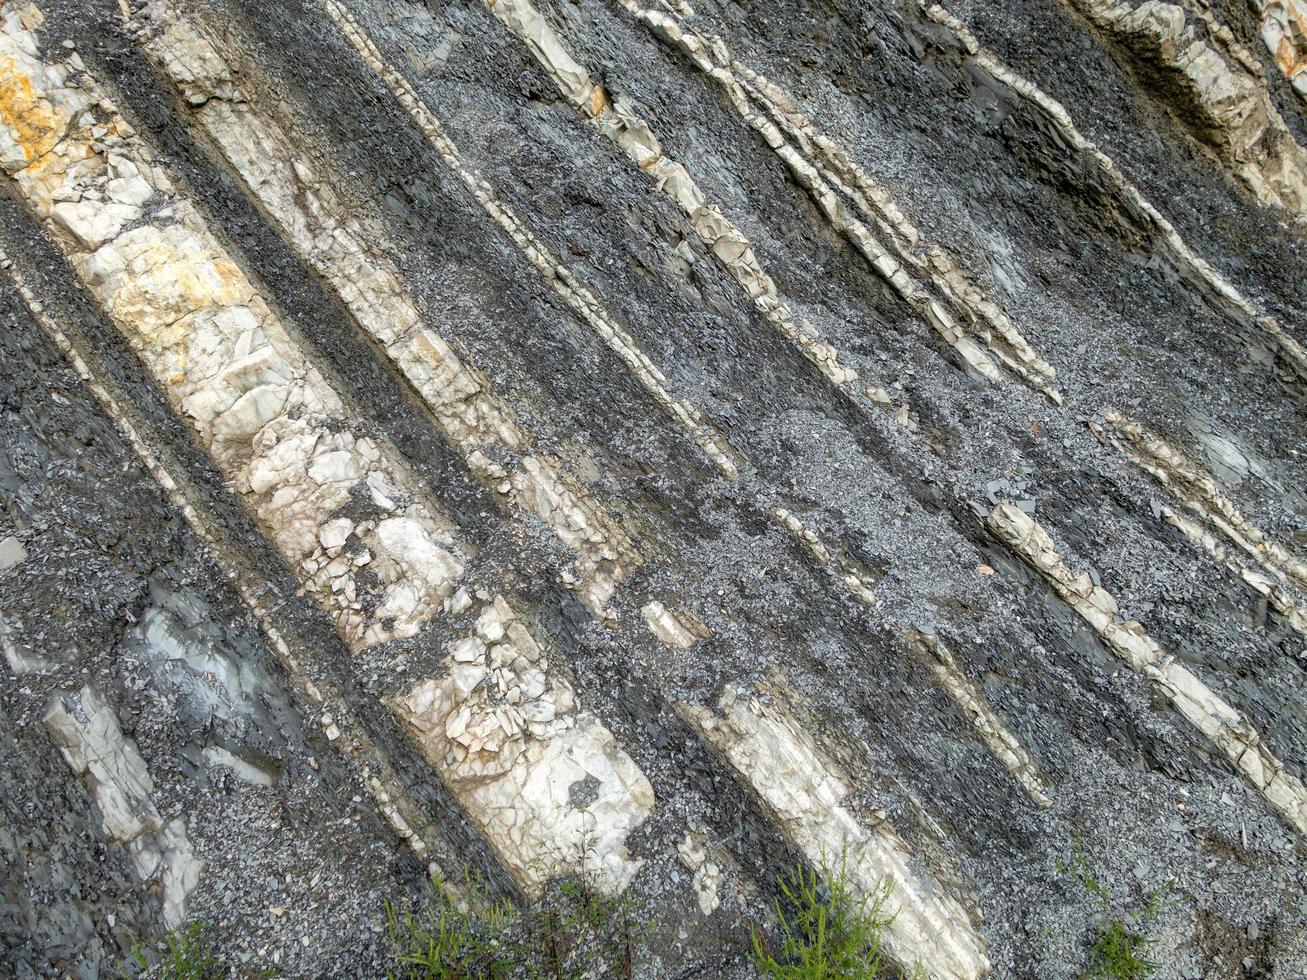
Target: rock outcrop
[513, 444]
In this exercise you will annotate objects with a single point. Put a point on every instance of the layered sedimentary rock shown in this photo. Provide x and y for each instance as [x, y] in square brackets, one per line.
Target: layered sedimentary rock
[524, 441]
[301, 201]
[1230, 107]
[1206, 710]
[769, 749]
[267, 417]
[265, 414]
[543, 777]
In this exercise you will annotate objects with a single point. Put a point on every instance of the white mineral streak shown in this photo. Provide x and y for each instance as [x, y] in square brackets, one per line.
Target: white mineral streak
[763, 741]
[1228, 730]
[1233, 107]
[274, 426]
[86, 730]
[853, 578]
[1284, 32]
[708, 877]
[557, 275]
[387, 787]
[1223, 292]
[619, 123]
[1004, 745]
[545, 780]
[665, 625]
[266, 416]
[966, 694]
[829, 175]
[1198, 492]
[301, 202]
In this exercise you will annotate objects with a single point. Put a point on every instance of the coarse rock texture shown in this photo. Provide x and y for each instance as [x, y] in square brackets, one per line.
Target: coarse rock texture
[1284, 32]
[662, 442]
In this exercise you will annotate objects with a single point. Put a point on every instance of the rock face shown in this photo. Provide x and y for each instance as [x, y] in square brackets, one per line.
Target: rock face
[660, 444]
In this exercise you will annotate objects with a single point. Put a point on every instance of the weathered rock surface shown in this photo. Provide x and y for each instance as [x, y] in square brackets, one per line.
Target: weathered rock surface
[659, 442]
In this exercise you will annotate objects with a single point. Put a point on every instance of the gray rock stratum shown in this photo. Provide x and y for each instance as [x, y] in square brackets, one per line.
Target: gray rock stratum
[522, 438]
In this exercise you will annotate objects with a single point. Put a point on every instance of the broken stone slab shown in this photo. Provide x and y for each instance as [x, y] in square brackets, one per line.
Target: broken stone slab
[708, 878]
[86, 730]
[504, 730]
[667, 626]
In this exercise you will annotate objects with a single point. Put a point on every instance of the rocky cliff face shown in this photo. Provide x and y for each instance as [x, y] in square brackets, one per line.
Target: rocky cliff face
[524, 438]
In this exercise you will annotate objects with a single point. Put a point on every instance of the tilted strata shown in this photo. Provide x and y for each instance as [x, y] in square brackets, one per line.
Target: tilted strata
[1199, 492]
[300, 199]
[618, 122]
[1230, 105]
[1228, 730]
[1281, 572]
[1290, 355]
[88, 734]
[842, 190]
[483, 719]
[337, 722]
[768, 747]
[557, 275]
[269, 419]
[971, 701]
[254, 147]
[989, 725]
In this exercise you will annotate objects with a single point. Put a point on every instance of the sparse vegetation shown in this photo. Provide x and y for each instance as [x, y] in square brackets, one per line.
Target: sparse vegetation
[1117, 950]
[1115, 954]
[574, 931]
[826, 932]
[187, 955]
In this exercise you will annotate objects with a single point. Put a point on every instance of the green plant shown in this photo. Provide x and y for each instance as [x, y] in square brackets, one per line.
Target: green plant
[187, 956]
[1116, 952]
[574, 931]
[826, 930]
[448, 942]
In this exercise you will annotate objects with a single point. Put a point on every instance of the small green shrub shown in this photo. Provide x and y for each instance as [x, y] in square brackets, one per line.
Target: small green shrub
[826, 931]
[445, 942]
[187, 956]
[574, 931]
[1115, 954]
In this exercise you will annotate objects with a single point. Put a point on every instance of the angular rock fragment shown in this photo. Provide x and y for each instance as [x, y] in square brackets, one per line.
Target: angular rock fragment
[86, 730]
[1284, 32]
